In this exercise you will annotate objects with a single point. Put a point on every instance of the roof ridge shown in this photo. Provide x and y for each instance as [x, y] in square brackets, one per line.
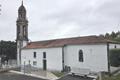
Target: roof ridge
[70, 41]
[67, 38]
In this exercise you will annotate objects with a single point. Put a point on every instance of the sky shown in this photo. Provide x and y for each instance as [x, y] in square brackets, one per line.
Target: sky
[51, 19]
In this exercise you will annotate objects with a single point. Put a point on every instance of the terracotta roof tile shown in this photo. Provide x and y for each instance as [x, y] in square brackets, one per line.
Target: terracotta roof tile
[67, 41]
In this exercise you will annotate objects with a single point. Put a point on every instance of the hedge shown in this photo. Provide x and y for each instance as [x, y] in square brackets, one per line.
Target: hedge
[115, 57]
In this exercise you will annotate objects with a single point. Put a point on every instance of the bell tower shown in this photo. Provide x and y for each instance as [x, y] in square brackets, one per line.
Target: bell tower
[22, 31]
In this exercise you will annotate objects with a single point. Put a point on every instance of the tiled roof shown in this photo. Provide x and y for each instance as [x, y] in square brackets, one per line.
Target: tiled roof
[67, 41]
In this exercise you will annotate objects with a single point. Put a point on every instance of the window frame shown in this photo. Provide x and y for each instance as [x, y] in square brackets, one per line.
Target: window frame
[35, 54]
[44, 55]
[80, 56]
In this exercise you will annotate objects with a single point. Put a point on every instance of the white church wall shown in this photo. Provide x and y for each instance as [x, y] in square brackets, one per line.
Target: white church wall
[113, 46]
[95, 57]
[53, 57]
[25, 43]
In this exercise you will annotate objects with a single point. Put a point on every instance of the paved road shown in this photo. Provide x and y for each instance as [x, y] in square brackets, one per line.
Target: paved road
[70, 77]
[13, 76]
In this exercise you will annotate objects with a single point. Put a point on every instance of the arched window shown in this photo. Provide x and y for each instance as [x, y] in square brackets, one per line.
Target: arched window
[80, 54]
[34, 54]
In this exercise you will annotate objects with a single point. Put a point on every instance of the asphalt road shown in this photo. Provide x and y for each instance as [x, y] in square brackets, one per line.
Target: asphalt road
[13, 76]
[70, 77]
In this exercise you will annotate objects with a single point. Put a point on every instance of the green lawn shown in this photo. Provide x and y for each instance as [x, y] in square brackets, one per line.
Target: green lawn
[117, 77]
[58, 74]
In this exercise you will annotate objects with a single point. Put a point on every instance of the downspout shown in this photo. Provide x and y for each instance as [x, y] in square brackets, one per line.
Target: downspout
[63, 64]
[108, 57]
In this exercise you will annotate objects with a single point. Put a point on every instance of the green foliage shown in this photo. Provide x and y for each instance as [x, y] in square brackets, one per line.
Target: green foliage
[9, 49]
[112, 36]
[117, 77]
[115, 57]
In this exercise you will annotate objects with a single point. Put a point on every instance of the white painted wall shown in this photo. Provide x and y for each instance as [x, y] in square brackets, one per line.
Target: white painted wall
[53, 57]
[20, 44]
[95, 57]
[24, 43]
[112, 46]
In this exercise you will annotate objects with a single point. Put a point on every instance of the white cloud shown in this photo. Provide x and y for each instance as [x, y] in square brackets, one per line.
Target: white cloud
[50, 19]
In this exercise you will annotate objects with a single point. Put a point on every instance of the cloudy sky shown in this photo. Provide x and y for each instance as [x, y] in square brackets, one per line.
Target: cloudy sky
[51, 19]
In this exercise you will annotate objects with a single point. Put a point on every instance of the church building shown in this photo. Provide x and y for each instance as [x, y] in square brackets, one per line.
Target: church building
[86, 53]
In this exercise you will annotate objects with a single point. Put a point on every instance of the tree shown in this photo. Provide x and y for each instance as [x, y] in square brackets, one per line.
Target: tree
[115, 36]
[107, 35]
[8, 49]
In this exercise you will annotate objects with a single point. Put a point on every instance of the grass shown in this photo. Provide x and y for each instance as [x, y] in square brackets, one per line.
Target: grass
[117, 77]
[58, 74]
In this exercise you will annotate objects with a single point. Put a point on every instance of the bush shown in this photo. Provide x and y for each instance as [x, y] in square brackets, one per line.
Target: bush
[115, 57]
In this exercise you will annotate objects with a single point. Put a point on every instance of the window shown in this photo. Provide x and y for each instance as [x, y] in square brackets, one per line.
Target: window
[115, 46]
[44, 54]
[34, 55]
[80, 56]
[24, 30]
[34, 63]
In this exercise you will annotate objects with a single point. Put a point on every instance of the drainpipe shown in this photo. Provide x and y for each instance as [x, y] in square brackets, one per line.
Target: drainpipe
[63, 64]
[108, 57]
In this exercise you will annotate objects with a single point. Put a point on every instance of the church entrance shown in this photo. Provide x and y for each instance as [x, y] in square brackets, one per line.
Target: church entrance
[44, 61]
[44, 65]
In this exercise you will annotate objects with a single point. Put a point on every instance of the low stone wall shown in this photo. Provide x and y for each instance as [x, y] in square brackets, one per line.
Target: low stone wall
[114, 69]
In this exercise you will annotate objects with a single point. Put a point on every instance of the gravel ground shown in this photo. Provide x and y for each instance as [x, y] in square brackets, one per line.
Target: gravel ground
[13, 76]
